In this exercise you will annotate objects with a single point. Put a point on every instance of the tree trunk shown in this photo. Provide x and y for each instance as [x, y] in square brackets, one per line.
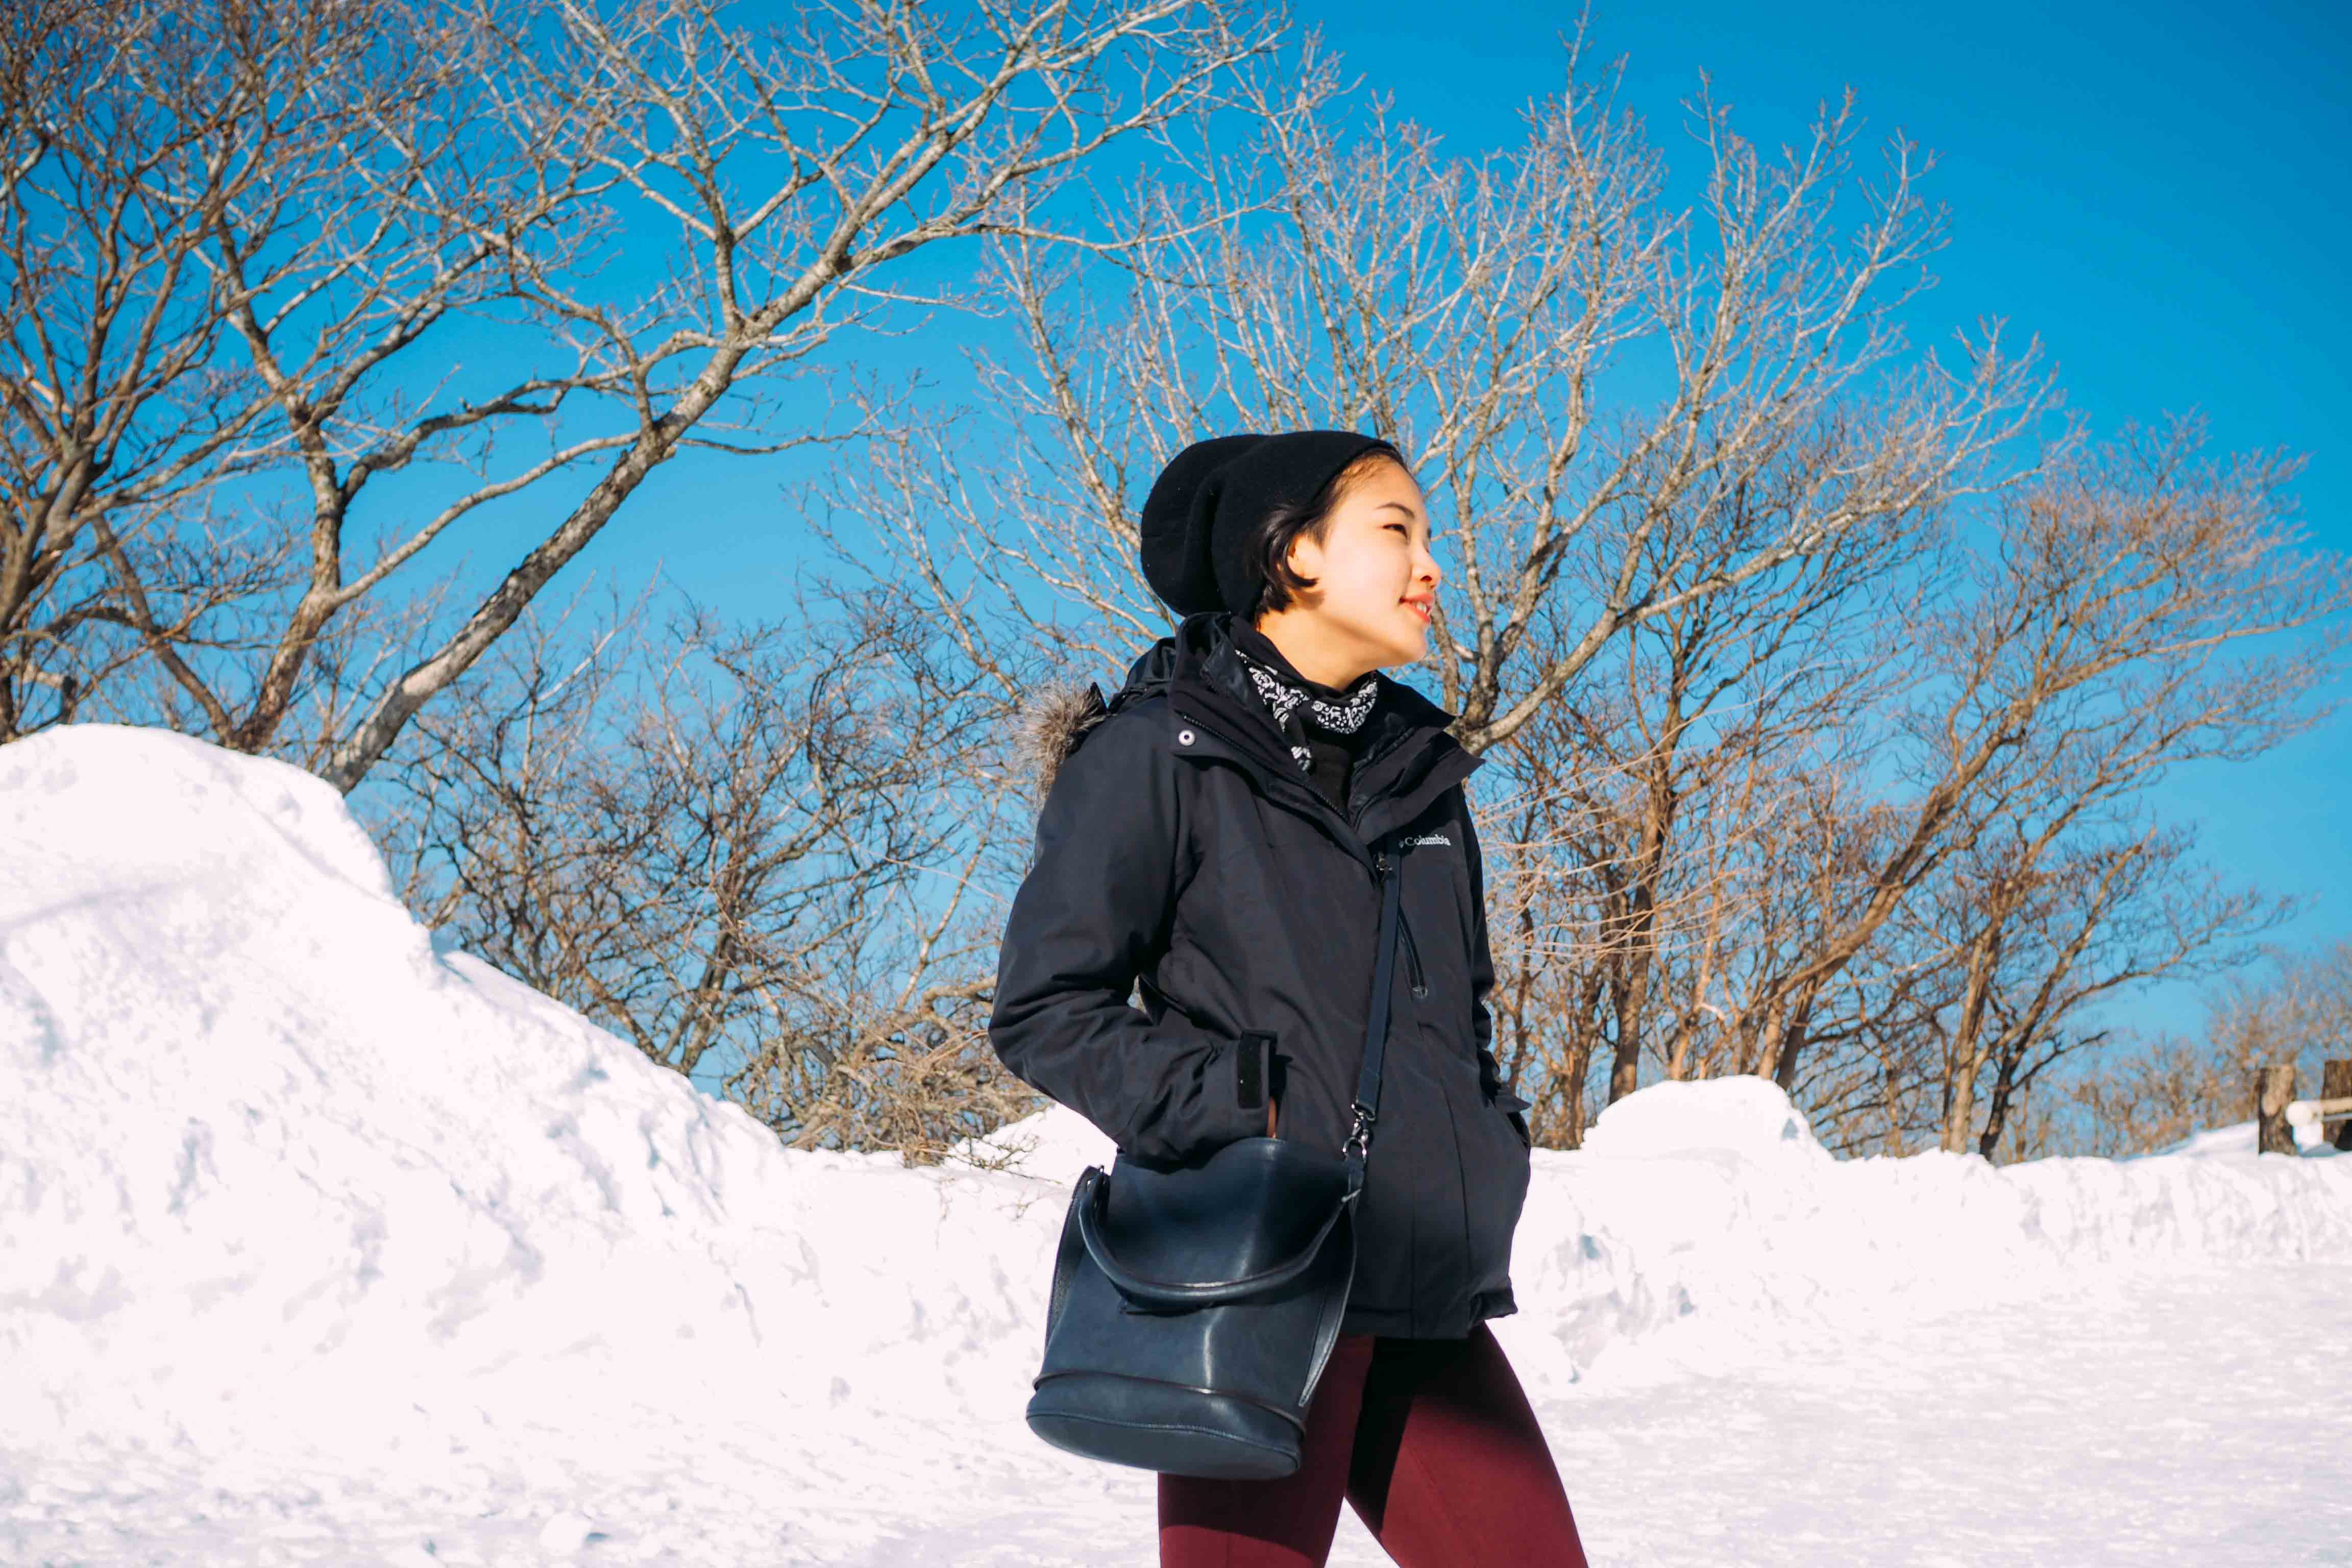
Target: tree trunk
[1575, 1064]
[2273, 1087]
[2004, 1096]
[1571, 1098]
[2335, 1083]
[1790, 1046]
[1964, 1058]
[1633, 1006]
[1639, 949]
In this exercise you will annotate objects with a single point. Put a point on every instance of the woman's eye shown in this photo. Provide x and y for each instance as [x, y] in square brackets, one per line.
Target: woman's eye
[1400, 529]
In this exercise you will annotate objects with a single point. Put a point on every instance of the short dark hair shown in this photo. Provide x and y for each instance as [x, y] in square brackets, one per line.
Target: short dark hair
[1277, 584]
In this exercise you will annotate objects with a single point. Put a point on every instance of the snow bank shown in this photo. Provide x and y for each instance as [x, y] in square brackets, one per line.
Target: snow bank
[1747, 1118]
[1704, 1222]
[271, 1165]
[274, 1171]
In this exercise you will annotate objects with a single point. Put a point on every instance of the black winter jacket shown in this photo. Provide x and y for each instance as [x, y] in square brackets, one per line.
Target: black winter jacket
[1181, 857]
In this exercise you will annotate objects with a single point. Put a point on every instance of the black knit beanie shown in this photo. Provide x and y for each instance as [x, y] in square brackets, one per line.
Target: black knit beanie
[1208, 503]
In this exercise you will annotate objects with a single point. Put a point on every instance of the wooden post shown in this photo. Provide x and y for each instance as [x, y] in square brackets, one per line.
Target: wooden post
[2273, 1087]
[2335, 1083]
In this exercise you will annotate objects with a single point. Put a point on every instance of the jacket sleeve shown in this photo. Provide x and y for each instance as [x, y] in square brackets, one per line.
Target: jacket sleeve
[1093, 914]
[1482, 978]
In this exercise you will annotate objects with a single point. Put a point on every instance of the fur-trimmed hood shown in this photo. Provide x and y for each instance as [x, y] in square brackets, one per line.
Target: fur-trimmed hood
[1051, 723]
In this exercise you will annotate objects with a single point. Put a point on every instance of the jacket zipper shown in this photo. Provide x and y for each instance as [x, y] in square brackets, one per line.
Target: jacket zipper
[1384, 868]
[1412, 955]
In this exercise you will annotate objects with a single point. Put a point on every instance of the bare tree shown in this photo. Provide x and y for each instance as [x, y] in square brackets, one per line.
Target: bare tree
[1545, 996]
[741, 849]
[139, 145]
[2051, 926]
[1342, 270]
[864, 135]
[1727, 697]
[384, 174]
[2136, 1099]
[2140, 1096]
[2300, 1011]
[2100, 639]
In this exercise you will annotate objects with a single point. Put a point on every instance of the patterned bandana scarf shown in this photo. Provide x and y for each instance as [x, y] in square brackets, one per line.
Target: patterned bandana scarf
[1343, 715]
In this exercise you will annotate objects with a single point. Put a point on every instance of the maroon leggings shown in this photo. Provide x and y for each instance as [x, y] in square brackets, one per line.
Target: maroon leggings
[1432, 1441]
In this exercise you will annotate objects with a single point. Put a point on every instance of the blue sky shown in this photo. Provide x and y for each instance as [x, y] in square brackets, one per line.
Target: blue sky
[2156, 191]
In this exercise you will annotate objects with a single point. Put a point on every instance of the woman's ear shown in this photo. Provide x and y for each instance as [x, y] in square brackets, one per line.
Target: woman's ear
[1304, 556]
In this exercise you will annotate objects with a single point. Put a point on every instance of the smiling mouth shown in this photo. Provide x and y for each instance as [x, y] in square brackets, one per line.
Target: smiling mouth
[1420, 607]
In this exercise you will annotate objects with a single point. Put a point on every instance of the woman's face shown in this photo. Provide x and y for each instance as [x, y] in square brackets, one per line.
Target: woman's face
[1376, 581]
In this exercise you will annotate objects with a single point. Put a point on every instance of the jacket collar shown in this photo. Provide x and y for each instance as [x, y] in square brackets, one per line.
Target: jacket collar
[1406, 759]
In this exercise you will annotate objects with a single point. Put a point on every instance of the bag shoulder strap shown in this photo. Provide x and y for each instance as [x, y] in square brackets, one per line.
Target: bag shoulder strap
[1366, 1110]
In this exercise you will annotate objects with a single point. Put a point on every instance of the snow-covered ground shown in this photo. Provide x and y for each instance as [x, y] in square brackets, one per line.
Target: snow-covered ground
[318, 1244]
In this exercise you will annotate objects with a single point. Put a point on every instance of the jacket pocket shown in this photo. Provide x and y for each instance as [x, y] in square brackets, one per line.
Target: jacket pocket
[1495, 1173]
[1413, 972]
[1515, 1110]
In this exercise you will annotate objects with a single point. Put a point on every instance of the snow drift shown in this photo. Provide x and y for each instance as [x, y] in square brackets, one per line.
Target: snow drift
[274, 1171]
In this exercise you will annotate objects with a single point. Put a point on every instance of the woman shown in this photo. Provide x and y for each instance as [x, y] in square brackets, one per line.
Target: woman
[1208, 845]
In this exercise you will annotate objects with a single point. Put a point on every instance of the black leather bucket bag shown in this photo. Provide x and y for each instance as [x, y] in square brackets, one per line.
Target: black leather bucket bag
[1193, 1309]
